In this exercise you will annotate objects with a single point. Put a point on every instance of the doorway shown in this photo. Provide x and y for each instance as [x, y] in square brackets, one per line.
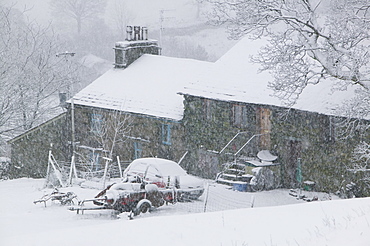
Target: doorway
[264, 120]
[292, 154]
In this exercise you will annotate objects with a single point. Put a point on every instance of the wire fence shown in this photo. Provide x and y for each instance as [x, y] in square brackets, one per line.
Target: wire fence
[216, 197]
[89, 171]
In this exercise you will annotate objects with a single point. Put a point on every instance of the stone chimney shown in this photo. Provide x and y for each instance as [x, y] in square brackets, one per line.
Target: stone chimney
[136, 44]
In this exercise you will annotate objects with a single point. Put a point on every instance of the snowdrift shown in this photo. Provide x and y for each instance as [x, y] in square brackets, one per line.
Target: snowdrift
[335, 222]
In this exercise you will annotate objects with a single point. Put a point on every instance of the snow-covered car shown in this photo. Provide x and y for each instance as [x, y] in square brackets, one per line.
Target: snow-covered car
[165, 174]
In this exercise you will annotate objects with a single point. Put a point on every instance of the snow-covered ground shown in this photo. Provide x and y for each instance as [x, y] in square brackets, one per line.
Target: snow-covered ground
[276, 219]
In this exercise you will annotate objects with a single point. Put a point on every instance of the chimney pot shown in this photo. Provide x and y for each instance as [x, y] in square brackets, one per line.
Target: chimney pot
[128, 51]
[129, 33]
[144, 33]
[137, 33]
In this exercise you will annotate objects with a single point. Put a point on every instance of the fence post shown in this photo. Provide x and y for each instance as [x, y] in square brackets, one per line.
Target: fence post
[71, 171]
[206, 198]
[53, 167]
[252, 201]
[105, 170]
[48, 168]
[119, 167]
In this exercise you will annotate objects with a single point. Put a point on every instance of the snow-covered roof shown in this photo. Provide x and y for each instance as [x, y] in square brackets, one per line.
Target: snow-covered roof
[151, 85]
[235, 78]
[148, 86]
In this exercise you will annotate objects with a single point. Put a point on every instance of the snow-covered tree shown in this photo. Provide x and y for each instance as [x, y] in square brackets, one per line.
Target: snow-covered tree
[362, 158]
[356, 110]
[79, 10]
[356, 126]
[310, 40]
[31, 76]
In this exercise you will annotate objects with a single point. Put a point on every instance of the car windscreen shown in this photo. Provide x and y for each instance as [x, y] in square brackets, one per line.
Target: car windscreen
[136, 168]
[164, 167]
[167, 168]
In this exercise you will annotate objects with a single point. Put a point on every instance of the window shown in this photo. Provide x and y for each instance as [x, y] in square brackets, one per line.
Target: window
[137, 150]
[330, 131]
[166, 134]
[264, 118]
[96, 123]
[207, 109]
[239, 115]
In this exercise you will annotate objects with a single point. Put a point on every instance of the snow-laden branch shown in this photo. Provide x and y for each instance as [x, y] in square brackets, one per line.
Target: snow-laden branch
[31, 76]
[310, 41]
[362, 152]
[329, 39]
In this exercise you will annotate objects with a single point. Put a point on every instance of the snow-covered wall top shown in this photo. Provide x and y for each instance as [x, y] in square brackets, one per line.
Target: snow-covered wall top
[235, 78]
[124, 44]
[148, 86]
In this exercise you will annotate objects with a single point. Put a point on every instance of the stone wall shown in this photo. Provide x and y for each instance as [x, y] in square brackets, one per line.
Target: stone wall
[208, 125]
[143, 138]
[29, 152]
[293, 135]
[142, 133]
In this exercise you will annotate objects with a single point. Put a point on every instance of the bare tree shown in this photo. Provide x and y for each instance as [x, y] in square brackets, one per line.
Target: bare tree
[111, 129]
[310, 40]
[8, 95]
[362, 158]
[121, 17]
[78, 10]
[199, 4]
[31, 75]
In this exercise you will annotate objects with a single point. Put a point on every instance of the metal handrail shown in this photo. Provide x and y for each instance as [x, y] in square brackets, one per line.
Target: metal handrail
[256, 135]
[227, 145]
[236, 135]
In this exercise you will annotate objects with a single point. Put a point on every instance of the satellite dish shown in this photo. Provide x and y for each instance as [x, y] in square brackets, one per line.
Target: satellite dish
[266, 156]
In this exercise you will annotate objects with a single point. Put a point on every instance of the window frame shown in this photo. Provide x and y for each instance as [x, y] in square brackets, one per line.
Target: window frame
[207, 109]
[331, 129]
[166, 133]
[240, 116]
[138, 150]
[96, 123]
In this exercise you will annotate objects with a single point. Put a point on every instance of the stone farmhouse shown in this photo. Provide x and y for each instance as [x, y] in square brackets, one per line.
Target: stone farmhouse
[303, 135]
[131, 111]
[154, 106]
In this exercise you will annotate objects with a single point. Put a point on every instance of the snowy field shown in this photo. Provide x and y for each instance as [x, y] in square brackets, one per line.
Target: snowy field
[276, 219]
